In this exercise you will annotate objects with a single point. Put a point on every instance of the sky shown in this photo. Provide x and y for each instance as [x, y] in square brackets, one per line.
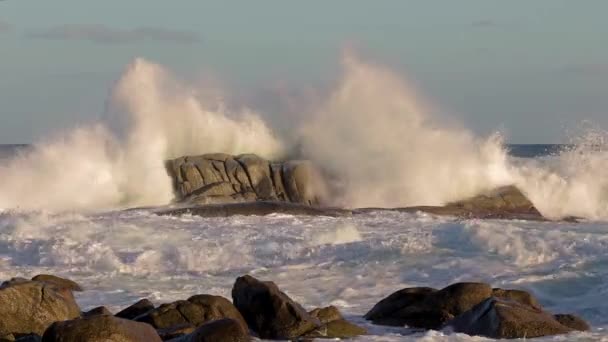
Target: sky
[531, 69]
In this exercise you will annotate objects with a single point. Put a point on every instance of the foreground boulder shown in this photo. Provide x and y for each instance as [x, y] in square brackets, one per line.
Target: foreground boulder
[223, 178]
[223, 330]
[474, 309]
[194, 312]
[506, 202]
[58, 281]
[29, 307]
[498, 318]
[100, 328]
[423, 307]
[270, 312]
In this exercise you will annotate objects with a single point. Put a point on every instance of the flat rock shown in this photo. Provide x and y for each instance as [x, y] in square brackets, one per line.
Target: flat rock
[30, 307]
[100, 328]
[498, 318]
[340, 328]
[506, 202]
[223, 330]
[270, 312]
[326, 314]
[260, 208]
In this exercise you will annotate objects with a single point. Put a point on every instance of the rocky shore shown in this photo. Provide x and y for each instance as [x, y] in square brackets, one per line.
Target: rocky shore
[44, 309]
[223, 185]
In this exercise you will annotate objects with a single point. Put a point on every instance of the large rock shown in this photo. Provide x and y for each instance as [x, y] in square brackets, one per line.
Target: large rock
[100, 328]
[195, 311]
[58, 281]
[223, 330]
[423, 307]
[29, 307]
[498, 318]
[222, 178]
[270, 312]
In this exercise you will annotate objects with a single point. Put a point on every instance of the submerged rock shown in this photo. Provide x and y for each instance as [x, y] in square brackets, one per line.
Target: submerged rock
[222, 178]
[498, 318]
[100, 328]
[270, 312]
[30, 307]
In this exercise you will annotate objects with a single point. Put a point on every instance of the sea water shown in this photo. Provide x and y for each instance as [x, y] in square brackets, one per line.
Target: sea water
[63, 201]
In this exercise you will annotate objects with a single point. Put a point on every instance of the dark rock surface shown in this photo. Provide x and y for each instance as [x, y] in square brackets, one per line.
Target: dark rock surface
[269, 312]
[195, 311]
[30, 307]
[259, 208]
[139, 308]
[222, 178]
[100, 310]
[427, 308]
[498, 318]
[100, 328]
[223, 330]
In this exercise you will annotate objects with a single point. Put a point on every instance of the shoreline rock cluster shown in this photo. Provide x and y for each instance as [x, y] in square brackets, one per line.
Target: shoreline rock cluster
[44, 309]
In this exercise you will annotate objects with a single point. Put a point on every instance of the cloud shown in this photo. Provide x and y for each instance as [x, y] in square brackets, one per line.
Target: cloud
[106, 35]
[483, 23]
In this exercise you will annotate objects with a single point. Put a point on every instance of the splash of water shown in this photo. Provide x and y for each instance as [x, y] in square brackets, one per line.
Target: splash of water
[386, 148]
[121, 162]
[372, 132]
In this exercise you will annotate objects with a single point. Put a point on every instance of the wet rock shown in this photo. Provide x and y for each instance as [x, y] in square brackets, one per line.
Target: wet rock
[572, 322]
[175, 331]
[30, 307]
[100, 310]
[333, 325]
[506, 202]
[340, 328]
[253, 209]
[423, 307]
[519, 296]
[223, 330]
[100, 328]
[220, 178]
[58, 281]
[326, 314]
[195, 311]
[141, 307]
[270, 312]
[498, 318]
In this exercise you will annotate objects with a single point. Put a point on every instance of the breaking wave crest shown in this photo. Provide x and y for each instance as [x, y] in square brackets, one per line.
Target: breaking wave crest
[372, 133]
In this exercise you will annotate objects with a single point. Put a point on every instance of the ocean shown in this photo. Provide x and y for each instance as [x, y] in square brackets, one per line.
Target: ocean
[63, 201]
[122, 256]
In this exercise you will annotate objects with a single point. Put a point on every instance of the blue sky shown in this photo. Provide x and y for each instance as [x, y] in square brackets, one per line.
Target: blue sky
[533, 69]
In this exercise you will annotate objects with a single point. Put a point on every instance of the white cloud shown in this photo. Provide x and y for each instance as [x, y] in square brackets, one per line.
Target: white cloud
[107, 35]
